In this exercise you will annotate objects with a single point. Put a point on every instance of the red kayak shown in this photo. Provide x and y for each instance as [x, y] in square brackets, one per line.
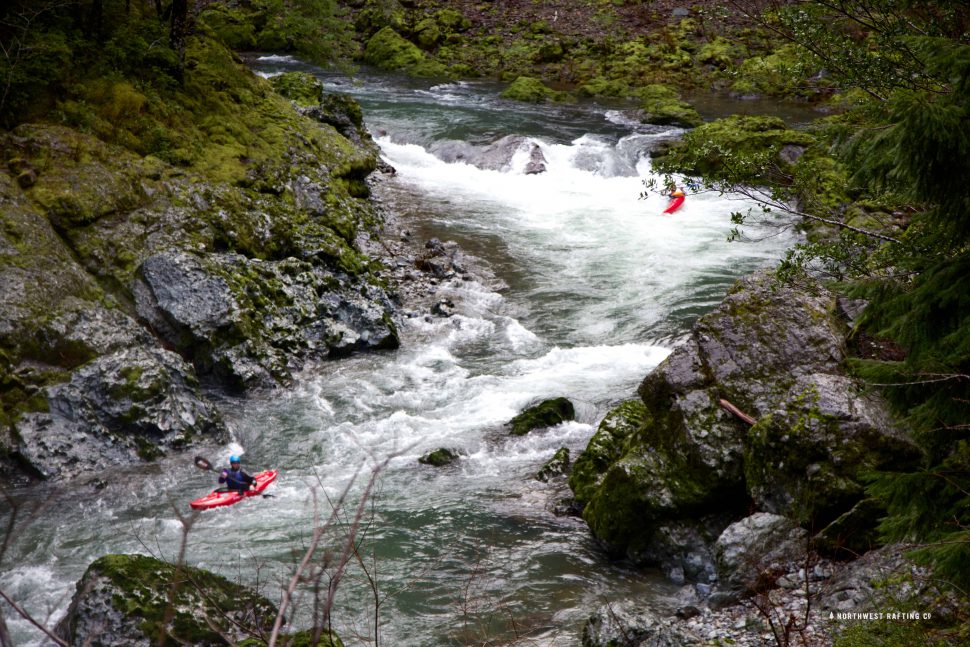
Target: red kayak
[221, 497]
[674, 204]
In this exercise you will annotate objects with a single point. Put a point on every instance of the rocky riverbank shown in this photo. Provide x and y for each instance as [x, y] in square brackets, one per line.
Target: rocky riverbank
[740, 472]
[131, 284]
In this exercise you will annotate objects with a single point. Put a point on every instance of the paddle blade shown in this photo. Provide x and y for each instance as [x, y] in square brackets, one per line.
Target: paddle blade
[202, 463]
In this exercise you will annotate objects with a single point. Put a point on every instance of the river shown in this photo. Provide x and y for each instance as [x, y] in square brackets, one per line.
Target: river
[582, 288]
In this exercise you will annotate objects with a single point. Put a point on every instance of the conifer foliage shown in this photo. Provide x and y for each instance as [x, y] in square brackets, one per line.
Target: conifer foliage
[907, 144]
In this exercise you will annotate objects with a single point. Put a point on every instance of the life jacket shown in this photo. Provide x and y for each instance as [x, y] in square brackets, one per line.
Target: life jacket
[236, 479]
[677, 194]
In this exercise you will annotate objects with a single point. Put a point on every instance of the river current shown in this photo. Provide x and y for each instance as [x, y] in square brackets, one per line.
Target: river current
[587, 288]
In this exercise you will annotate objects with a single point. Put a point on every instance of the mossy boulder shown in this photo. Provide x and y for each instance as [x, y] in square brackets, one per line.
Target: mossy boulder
[784, 72]
[661, 105]
[678, 466]
[720, 52]
[602, 87]
[389, 50]
[139, 600]
[302, 88]
[736, 148]
[530, 90]
[605, 448]
[439, 457]
[807, 458]
[547, 413]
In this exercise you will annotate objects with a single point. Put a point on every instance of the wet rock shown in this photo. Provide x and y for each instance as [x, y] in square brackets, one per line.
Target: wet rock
[558, 465]
[443, 308]
[545, 414]
[441, 260]
[246, 320]
[439, 457]
[537, 162]
[182, 301]
[123, 600]
[498, 155]
[133, 403]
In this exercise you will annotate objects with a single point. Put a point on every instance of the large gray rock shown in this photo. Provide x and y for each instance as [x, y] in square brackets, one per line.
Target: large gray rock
[135, 601]
[133, 403]
[627, 624]
[806, 458]
[249, 321]
[752, 553]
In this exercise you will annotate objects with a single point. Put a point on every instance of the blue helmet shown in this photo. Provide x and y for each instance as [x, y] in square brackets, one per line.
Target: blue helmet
[233, 459]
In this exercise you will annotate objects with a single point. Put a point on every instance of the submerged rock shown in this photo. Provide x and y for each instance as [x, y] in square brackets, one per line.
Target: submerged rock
[439, 457]
[537, 162]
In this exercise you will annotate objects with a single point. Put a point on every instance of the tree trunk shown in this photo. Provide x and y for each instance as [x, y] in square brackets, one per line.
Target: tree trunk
[179, 27]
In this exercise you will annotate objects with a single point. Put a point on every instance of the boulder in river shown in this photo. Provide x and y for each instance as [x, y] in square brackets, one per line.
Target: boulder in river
[135, 600]
[679, 459]
[547, 413]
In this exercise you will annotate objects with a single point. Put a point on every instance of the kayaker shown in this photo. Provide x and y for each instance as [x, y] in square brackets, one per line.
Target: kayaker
[234, 477]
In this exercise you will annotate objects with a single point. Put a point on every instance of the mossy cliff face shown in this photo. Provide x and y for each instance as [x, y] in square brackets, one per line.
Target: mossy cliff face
[139, 600]
[676, 466]
[208, 230]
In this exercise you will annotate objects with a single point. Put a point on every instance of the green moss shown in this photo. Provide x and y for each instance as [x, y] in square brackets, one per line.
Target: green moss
[603, 87]
[389, 50]
[736, 148]
[720, 52]
[606, 447]
[530, 90]
[200, 598]
[784, 72]
[232, 26]
[555, 466]
[545, 414]
[301, 87]
[662, 105]
[439, 457]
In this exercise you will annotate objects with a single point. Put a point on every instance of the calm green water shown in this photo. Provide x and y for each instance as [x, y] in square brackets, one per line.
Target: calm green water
[588, 289]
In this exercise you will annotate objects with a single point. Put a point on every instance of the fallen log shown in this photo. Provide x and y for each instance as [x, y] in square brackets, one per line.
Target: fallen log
[730, 408]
